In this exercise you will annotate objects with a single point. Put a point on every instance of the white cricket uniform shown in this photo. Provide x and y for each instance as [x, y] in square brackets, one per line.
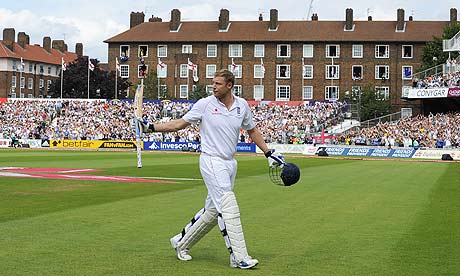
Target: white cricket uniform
[219, 131]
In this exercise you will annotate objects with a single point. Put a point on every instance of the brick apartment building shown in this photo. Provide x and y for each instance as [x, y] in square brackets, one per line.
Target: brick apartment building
[40, 64]
[303, 60]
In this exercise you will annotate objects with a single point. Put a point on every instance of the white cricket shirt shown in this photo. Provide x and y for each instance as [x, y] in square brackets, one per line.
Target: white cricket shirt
[220, 127]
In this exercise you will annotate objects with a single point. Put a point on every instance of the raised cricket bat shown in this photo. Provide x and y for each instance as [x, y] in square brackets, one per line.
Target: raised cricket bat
[138, 114]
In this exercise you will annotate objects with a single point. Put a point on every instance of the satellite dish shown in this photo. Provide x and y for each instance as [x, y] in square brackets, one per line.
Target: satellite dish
[196, 78]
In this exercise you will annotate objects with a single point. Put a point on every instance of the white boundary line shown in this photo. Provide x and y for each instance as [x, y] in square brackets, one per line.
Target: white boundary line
[172, 178]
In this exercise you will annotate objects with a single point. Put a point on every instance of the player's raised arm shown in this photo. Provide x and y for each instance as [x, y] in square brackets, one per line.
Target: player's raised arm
[171, 126]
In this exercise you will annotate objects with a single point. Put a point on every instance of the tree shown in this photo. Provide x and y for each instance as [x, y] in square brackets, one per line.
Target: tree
[373, 105]
[199, 92]
[75, 82]
[433, 54]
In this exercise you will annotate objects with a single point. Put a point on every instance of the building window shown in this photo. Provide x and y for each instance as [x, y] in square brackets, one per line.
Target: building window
[333, 51]
[162, 50]
[211, 50]
[308, 50]
[237, 90]
[283, 71]
[49, 70]
[210, 71]
[357, 72]
[183, 91]
[30, 83]
[141, 73]
[124, 71]
[332, 93]
[407, 72]
[283, 51]
[13, 82]
[143, 51]
[124, 51]
[162, 71]
[31, 67]
[41, 83]
[357, 51]
[186, 49]
[307, 93]
[382, 51]
[48, 85]
[183, 73]
[22, 82]
[259, 50]
[407, 51]
[382, 72]
[42, 70]
[332, 72]
[283, 92]
[235, 50]
[382, 92]
[258, 92]
[307, 72]
[209, 89]
[258, 71]
[237, 70]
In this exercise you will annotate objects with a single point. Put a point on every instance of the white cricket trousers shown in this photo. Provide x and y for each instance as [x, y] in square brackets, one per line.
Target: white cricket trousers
[219, 177]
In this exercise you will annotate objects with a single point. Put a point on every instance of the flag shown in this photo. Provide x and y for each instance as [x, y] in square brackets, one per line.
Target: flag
[117, 64]
[90, 65]
[263, 66]
[191, 65]
[161, 64]
[234, 66]
[22, 64]
[63, 64]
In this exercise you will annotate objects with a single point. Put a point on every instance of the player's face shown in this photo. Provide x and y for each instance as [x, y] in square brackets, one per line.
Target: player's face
[220, 87]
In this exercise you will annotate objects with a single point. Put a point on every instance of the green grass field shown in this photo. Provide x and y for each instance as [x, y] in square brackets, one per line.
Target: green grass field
[345, 217]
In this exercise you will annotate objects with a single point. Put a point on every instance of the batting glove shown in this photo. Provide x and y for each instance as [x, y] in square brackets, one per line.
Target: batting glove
[274, 159]
[145, 125]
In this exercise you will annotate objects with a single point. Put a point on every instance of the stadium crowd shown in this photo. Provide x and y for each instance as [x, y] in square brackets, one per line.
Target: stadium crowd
[447, 80]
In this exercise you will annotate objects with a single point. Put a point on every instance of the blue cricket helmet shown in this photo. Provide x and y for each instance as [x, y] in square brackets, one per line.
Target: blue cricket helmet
[286, 175]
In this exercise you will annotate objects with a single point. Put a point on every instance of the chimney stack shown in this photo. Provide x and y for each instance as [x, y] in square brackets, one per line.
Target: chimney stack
[273, 19]
[453, 15]
[261, 18]
[175, 21]
[369, 18]
[155, 19]
[314, 17]
[224, 19]
[59, 45]
[8, 38]
[136, 18]
[22, 39]
[411, 18]
[79, 49]
[349, 19]
[400, 22]
[47, 43]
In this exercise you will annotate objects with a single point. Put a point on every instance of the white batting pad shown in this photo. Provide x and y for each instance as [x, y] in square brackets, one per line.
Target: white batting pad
[199, 226]
[230, 226]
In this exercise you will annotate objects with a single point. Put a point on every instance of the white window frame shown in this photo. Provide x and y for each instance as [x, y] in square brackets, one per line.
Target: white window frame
[162, 73]
[209, 89]
[307, 72]
[259, 50]
[238, 72]
[237, 90]
[146, 54]
[283, 90]
[287, 73]
[187, 49]
[402, 72]
[183, 91]
[124, 71]
[258, 71]
[13, 82]
[330, 71]
[41, 83]
[307, 92]
[411, 51]
[337, 50]
[13, 95]
[22, 82]
[353, 70]
[308, 50]
[139, 69]
[357, 51]
[279, 50]
[162, 50]
[327, 93]
[211, 50]
[210, 70]
[378, 92]
[183, 71]
[235, 50]
[258, 92]
[30, 96]
[386, 53]
[121, 50]
[30, 83]
[48, 84]
[379, 76]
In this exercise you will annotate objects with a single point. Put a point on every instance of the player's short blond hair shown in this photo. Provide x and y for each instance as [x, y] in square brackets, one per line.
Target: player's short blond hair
[227, 75]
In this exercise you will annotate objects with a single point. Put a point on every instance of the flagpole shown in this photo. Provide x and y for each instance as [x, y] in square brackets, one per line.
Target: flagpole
[20, 82]
[188, 81]
[88, 77]
[116, 84]
[303, 75]
[62, 79]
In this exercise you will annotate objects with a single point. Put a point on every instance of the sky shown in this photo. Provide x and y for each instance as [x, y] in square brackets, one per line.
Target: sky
[93, 21]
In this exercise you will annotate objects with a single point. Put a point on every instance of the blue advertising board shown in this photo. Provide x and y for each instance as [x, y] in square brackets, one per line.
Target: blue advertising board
[180, 146]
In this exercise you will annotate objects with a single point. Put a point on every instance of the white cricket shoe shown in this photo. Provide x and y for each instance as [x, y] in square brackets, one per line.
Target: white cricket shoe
[248, 262]
[181, 254]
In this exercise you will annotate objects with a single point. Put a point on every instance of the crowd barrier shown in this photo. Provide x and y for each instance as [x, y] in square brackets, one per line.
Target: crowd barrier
[304, 149]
